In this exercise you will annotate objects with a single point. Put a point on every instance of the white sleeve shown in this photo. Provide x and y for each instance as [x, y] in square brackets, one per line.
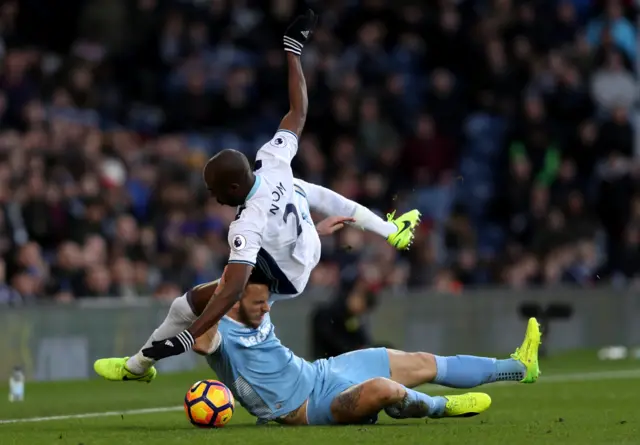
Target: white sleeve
[281, 149]
[326, 201]
[245, 233]
[332, 204]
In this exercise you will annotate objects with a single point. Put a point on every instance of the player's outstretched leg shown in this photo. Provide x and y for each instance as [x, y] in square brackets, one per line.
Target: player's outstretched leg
[140, 368]
[405, 225]
[527, 353]
[365, 400]
[463, 405]
[115, 369]
[467, 371]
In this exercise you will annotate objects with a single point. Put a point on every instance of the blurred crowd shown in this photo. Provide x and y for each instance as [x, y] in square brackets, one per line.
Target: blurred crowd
[509, 124]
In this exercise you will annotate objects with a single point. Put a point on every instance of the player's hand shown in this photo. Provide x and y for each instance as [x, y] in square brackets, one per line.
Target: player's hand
[332, 224]
[299, 32]
[169, 347]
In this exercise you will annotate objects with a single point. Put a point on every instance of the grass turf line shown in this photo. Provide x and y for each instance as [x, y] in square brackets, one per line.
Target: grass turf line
[592, 402]
[559, 378]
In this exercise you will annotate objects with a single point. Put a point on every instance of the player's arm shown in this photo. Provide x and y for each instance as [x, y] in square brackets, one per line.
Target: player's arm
[201, 295]
[208, 343]
[236, 276]
[295, 119]
[294, 39]
[245, 239]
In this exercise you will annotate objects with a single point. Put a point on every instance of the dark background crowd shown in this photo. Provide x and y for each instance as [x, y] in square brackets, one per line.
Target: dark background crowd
[509, 124]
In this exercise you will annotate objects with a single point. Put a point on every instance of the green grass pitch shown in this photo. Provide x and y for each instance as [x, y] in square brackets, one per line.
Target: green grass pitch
[578, 400]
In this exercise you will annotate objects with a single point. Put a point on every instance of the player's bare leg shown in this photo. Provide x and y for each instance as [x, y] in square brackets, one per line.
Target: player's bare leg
[459, 371]
[467, 371]
[412, 368]
[365, 400]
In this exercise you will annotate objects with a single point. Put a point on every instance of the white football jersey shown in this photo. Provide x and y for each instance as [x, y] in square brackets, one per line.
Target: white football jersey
[273, 230]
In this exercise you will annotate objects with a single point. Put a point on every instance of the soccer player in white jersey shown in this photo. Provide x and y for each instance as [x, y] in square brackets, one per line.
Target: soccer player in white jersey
[273, 230]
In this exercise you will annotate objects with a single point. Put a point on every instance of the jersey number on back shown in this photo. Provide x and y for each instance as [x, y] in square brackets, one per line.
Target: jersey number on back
[291, 209]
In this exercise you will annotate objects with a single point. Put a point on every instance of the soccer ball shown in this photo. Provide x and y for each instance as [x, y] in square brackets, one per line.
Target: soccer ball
[209, 404]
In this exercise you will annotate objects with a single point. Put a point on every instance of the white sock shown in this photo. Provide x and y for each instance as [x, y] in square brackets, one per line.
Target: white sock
[368, 220]
[329, 202]
[178, 319]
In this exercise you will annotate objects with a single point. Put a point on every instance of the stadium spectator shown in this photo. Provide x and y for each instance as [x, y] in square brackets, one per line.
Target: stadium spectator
[340, 326]
[511, 125]
[8, 295]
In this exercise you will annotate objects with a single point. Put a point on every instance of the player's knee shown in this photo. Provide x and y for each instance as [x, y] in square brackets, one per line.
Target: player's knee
[422, 366]
[196, 301]
[426, 364]
[383, 391]
[181, 309]
[198, 297]
[412, 368]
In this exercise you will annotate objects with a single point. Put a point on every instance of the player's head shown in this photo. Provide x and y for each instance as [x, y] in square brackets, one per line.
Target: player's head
[228, 177]
[254, 304]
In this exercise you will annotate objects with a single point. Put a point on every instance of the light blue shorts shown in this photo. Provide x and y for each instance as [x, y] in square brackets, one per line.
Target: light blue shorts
[336, 374]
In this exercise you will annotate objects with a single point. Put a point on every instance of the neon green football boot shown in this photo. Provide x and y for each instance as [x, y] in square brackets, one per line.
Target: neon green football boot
[115, 369]
[406, 225]
[466, 405]
[527, 353]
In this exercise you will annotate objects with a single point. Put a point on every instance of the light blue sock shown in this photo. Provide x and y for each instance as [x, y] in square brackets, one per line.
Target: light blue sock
[468, 371]
[417, 405]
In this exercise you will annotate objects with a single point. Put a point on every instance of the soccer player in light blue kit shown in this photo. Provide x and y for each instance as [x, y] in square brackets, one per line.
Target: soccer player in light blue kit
[274, 384]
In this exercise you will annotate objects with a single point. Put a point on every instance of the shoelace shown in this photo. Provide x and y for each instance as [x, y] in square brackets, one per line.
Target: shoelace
[391, 216]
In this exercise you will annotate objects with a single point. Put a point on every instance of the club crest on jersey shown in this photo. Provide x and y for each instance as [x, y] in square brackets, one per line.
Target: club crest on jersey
[239, 242]
[277, 141]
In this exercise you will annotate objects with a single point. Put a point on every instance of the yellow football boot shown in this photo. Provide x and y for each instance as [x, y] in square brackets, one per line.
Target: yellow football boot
[527, 353]
[466, 405]
[115, 369]
[406, 225]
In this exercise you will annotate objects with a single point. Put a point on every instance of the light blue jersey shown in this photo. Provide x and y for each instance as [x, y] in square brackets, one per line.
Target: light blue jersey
[267, 378]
